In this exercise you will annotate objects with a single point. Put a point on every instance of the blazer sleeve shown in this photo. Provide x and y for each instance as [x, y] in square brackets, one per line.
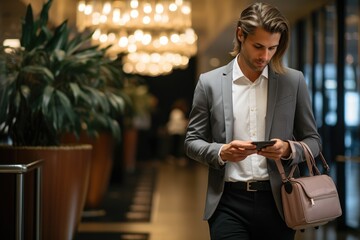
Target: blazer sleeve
[305, 128]
[199, 144]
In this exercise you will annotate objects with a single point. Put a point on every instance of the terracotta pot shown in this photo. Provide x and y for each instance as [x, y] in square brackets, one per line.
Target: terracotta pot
[65, 177]
[101, 165]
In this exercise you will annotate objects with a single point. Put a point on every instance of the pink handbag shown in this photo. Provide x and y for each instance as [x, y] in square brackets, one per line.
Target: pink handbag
[309, 201]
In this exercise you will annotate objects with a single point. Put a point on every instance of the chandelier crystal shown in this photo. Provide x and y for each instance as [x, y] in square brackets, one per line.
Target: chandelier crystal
[154, 37]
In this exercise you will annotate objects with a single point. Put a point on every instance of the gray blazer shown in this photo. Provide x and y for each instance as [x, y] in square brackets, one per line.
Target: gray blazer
[289, 114]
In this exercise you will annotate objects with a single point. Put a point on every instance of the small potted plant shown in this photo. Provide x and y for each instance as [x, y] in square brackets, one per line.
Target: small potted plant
[56, 83]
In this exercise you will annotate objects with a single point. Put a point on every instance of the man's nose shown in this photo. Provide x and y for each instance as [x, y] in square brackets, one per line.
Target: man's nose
[265, 54]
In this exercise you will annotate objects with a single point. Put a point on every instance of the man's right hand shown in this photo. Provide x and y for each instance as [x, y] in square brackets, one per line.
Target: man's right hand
[236, 150]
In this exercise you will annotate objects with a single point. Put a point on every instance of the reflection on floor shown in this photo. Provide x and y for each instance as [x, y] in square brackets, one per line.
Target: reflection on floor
[130, 201]
[177, 208]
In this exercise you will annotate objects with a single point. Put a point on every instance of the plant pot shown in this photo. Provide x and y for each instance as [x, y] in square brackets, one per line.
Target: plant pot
[130, 149]
[101, 165]
[65, 176]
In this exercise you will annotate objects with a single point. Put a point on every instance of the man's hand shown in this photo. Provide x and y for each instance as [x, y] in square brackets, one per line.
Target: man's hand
[280, 149]
[237, 150]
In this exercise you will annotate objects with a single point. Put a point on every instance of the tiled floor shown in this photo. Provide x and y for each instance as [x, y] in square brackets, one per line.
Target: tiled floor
[178, 203]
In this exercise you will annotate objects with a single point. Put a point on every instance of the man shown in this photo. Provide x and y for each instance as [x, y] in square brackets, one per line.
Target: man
[253, 98]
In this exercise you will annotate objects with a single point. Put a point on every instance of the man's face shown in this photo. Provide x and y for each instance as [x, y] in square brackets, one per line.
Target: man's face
[257, 49]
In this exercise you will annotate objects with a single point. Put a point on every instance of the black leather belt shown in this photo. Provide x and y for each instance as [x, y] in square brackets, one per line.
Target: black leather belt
[250, 186]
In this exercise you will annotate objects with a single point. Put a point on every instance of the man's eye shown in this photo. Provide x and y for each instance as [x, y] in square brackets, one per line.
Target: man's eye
[272, 48]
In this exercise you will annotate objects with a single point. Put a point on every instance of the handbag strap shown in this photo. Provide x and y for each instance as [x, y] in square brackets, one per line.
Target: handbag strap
[281, 170]
[321, 156]
[324, 163]
[310, 161]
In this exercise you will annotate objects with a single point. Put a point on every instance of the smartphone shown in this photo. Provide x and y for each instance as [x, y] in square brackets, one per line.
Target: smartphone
[262, 144]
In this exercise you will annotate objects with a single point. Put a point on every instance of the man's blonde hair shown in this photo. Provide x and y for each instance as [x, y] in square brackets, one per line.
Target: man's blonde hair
[262, 15]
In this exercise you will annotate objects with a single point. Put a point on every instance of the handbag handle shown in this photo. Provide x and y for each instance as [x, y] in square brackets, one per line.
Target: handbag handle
[310, 161]
[321, 156]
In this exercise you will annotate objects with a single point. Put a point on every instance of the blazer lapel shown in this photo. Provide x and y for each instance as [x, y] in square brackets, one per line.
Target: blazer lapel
[226, 82]
[272, 96]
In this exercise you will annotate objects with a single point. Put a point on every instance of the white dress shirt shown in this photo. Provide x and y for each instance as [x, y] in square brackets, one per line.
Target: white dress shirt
[249, 109]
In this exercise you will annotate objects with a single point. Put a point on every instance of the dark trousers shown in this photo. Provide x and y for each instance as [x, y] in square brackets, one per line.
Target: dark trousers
[243, 215]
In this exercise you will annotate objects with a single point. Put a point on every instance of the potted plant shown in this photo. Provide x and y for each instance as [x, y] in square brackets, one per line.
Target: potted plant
[137, 117]
[56, 83]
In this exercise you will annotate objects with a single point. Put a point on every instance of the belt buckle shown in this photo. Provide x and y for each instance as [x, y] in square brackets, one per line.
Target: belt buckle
[248, 185]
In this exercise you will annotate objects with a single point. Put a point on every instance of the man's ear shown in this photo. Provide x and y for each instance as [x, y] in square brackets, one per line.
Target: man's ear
[240, 35]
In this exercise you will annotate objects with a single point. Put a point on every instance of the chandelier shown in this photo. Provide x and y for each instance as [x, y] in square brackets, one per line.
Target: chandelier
[154, 37]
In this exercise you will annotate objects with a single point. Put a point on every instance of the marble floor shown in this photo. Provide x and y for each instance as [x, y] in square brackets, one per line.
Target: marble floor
[177, 209]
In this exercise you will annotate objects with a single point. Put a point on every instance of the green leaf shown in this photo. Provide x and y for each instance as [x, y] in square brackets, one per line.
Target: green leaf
[75, 90]
[114, 128]
[117, 102]
[60, 119]
[66, 106]
[44, 72]
[4, 102]
[28, 31]
[88, 54]
[53, 115]
[59, 38]
[43, 37]
[44, 15]
[77, 42]
[48, 92]
[78, 93]
[99, 99]
[17, 101]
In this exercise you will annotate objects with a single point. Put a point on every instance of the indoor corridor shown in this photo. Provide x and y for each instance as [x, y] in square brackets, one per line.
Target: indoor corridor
[177, 208]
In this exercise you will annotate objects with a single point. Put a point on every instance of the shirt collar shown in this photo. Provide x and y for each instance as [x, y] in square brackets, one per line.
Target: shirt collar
[237, 73]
